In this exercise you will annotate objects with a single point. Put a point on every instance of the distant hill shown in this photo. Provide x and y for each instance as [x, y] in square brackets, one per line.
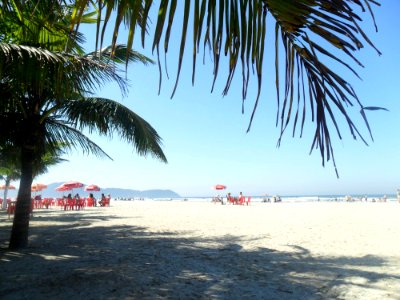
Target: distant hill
[114, 192]
[128, 193]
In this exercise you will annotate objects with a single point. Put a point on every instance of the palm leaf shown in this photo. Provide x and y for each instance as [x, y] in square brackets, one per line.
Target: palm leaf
[60, 132]
[39, 69]
[119, 55]
[108, 117]
[301, 26]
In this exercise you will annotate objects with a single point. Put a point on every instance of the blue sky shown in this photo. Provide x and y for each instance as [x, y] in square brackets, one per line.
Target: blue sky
[205, 140]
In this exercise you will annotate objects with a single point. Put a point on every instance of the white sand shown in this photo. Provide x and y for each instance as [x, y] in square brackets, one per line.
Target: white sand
[185, 250]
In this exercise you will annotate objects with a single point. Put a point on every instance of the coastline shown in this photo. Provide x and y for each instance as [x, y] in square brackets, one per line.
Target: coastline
[200, 250]
[285, 199]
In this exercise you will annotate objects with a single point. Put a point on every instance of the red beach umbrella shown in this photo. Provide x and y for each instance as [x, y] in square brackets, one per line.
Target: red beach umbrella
[73, 184]
[10, 187]
[92, 188]
[219, 187]
[62, 188]
[37, 187]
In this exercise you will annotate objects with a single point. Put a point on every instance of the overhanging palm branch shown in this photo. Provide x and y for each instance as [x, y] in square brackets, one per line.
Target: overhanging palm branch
[310, 33]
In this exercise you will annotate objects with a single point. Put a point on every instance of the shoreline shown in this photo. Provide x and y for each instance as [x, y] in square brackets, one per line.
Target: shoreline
[200, 250]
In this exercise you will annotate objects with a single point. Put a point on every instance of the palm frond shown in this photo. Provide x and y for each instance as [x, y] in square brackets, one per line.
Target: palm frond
[56, 72]
[119, 55]
[58, 132]
[312, 32]
[108, 117]
[41, 24]
[306, 63]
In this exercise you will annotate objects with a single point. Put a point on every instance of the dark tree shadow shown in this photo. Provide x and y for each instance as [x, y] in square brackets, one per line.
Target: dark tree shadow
[127, 262]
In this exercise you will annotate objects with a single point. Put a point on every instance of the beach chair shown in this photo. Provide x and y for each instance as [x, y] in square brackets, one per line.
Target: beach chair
[10, 207]
[89, 202]
[60, 202]
[69, 204]
[46, 202]
[79, 203]
[105, 201]
[248, 200]
[231, 200]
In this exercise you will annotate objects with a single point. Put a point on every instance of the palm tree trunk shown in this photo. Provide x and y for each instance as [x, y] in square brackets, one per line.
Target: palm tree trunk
[20, 229]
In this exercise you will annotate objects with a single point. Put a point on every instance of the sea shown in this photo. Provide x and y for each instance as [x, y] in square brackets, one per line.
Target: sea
[285, 199]
[269, 198]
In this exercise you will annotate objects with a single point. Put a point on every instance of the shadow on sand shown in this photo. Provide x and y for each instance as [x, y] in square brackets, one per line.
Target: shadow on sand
[128, 262]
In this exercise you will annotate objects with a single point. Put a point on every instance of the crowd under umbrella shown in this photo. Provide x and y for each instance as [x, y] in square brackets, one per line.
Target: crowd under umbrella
[92, 188]
[4, 187]
[218, 187]
[72, 185]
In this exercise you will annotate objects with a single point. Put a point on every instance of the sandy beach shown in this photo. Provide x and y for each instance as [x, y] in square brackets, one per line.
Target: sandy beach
[200, 250]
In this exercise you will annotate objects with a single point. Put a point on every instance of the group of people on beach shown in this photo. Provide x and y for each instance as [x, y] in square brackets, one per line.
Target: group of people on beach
[104, 201]
[240, 200]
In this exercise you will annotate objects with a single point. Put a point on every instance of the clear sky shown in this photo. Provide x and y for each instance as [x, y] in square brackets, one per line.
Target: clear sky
[205, 140]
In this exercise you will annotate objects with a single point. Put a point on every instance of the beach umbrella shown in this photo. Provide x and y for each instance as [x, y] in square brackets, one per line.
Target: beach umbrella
[73, 184]
[92, 188]
[219, 187]
[10, 187]
[62, 188]
[37, 187]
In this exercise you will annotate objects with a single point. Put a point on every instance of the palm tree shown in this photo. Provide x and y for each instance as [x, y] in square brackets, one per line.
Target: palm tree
[10, 168]
[315, 37]
[47, 97]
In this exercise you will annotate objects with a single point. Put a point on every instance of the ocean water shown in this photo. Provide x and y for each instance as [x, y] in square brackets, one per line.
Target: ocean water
[256, 198]
[287, 199]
